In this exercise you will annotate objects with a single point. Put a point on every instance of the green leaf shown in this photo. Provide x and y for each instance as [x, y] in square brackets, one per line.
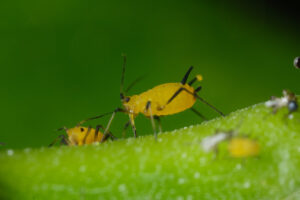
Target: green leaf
[174, 167]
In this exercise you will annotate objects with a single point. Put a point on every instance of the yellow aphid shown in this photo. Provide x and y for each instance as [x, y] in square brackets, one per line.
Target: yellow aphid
[162, 100]
[241, 147]
[80, 135]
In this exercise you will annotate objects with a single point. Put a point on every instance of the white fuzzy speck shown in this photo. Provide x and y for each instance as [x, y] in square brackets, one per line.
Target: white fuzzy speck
[238, 167]
[210, 142]
[138, 149]
[159, 139]
[122, 188]
[179, 198]
[181, 181]
[197, 175]
[189, 197]
[247, 184]
[82, 168]
[183, 155]
[10, 152]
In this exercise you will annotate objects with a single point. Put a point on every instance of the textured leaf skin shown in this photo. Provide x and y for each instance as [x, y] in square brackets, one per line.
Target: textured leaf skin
[174, 167]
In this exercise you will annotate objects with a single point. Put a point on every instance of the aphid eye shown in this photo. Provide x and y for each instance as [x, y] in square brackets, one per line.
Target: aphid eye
[297, 62]
[127, 99]
[81, 129]
[292, 106]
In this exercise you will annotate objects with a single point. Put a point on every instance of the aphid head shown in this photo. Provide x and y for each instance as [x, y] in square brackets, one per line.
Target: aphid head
[76, 130]
[125, 99]
[297, 62]
[129, 103]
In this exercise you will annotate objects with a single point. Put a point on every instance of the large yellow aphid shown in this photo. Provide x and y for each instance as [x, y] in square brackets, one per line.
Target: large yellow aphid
[162, 100]
[241, 147]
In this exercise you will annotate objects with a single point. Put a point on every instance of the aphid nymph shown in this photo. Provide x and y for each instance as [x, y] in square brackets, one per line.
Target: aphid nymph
[242, 147]
[80, 135]
[238, 146]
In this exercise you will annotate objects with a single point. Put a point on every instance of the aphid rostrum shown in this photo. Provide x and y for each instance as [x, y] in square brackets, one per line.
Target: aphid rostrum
[162, 100]
[289, 100]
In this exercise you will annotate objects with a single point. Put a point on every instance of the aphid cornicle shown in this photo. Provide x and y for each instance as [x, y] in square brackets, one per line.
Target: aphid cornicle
[80, 135]
[162, 100]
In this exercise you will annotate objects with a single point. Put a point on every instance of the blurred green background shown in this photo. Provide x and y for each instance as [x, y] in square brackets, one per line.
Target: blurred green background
[61, 60]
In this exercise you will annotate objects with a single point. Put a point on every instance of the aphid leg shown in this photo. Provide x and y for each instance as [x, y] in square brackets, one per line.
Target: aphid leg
[175, 95]
[125, 128]
[131, 118]
[86, 134]
[198, 89]
[199, 114]
[205, 102]
[196, 96]
[92, 118]
[148, 107]
[96, 132]
[159, 122]
[106, 132]
[192, 81]
[109, 135]
[63, 140]
[186, 76]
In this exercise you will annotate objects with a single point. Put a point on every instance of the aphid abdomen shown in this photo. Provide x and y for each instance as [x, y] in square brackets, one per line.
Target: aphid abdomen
[159, 96]
[243, 147]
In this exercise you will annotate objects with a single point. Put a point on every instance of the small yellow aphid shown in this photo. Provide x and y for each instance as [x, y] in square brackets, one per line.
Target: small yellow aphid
[162, 100]
[80, 135]
[242, 147]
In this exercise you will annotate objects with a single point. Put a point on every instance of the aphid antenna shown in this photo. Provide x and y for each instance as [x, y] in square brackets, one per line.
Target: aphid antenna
[122, 95]
[134, 83]
[186, 76]
[62, 128]
[92, 118]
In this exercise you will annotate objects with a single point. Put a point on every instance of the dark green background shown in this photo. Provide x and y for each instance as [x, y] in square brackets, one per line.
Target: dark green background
[61, 60]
